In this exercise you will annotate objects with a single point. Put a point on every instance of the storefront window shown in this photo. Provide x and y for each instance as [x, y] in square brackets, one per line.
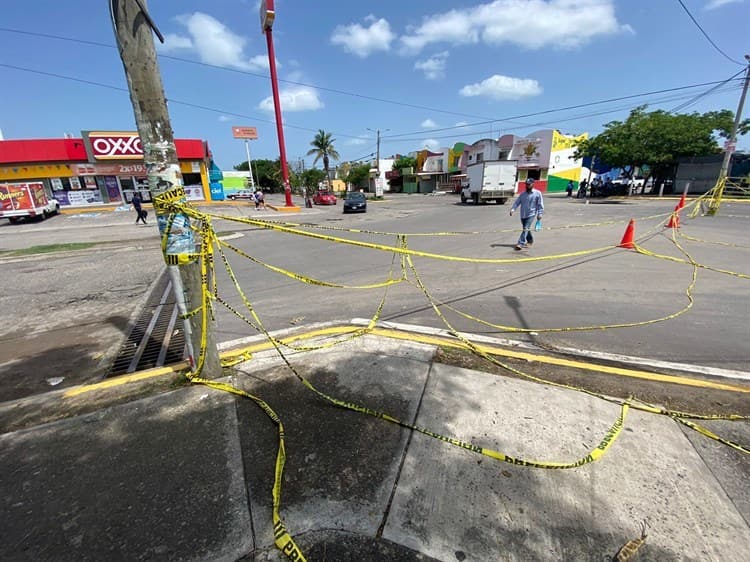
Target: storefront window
[109, 188]
[193, 187]
[76, 191]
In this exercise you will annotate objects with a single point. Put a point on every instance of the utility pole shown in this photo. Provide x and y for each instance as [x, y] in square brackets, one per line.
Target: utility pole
[730, 144]
[377, 154]
[377, 161]
[133, 27]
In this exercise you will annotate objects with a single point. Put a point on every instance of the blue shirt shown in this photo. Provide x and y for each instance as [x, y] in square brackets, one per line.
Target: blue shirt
[532, 204]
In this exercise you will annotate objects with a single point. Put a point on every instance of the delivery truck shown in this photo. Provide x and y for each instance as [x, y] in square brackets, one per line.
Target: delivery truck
[26, 200]
[491, 180]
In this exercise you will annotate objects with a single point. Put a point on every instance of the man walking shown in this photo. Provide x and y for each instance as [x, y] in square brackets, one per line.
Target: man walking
[532, 207]
[140, 213]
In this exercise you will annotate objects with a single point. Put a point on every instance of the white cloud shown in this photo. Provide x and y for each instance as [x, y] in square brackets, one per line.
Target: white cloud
[532, 24]
[299, 98]
[461, 124]
[502, 88]
[713, 4]
[261, 61]
[224, 118]
[214, 43]
[429, 124]
[431, 144]
[433, 67]
[363, 41]
[358, 141]
[174, 42]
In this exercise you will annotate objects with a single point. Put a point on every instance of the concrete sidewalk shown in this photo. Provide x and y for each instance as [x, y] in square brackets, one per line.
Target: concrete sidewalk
[187, 475]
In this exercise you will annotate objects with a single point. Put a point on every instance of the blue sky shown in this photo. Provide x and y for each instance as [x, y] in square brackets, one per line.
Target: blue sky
[447, 64]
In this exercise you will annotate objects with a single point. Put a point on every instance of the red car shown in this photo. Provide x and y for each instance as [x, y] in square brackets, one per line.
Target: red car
[324, 198]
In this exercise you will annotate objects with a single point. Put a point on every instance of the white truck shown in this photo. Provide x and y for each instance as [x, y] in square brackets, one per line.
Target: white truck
[491, 180]
[26, 200]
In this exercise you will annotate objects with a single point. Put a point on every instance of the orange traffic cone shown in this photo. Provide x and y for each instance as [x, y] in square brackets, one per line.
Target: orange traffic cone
[627, 238]
[681, 204]
[674, 220]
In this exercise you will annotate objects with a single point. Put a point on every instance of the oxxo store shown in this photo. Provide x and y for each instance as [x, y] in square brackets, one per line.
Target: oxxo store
[101, 167]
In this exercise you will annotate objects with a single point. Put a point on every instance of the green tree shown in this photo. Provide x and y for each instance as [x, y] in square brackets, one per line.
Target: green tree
[358, 176]
[312, 177]
[323, 148]
[344, 169]
[404, 162]
[267, 173]
[658, 139]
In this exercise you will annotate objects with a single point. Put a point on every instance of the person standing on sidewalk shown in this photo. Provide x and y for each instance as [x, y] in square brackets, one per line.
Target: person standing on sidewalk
[140, 213]
[532, 208]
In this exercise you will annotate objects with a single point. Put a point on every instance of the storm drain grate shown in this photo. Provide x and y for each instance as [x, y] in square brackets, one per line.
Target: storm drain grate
[157, 338]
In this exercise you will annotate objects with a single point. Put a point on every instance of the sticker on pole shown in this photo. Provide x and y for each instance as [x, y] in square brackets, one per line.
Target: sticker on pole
[177, 236]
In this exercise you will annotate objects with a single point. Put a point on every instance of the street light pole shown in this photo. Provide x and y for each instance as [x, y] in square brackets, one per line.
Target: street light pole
[729, 148]
[268, 15]
[249, 165]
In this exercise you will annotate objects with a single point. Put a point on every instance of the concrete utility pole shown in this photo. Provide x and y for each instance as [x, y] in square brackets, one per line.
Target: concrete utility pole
[133, 27]
[731, 143]
[377, 152]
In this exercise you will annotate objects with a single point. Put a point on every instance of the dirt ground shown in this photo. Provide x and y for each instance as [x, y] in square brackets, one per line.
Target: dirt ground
[66, 315]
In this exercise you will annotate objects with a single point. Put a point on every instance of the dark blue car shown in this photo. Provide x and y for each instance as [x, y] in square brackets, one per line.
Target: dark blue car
[355, 202]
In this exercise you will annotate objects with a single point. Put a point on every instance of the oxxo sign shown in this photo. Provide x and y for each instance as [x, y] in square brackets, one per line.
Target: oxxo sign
[102, 145]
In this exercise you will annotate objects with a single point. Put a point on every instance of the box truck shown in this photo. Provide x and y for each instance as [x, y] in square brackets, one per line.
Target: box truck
[492, 180]
[26, 200]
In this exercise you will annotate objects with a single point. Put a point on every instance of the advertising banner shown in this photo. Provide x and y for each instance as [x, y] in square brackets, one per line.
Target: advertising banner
[526, 152]
[250, 133]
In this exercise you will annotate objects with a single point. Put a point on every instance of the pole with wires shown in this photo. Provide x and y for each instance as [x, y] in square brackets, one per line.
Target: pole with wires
[713, 207]
[133, 29]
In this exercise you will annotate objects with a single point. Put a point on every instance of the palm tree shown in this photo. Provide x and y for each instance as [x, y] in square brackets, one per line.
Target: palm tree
[323, 148]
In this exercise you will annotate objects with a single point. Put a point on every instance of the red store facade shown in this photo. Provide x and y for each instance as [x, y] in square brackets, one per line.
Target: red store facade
[100, 168]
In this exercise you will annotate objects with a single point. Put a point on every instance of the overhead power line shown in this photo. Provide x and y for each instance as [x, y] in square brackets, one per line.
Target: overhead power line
[169, 100]
[703, 31]
[560, 119]
[695, 99]
[554, 110]
[249, 73]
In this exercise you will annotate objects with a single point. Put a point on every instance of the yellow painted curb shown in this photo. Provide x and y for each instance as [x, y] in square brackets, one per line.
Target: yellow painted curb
[292, 209]
[421, 338]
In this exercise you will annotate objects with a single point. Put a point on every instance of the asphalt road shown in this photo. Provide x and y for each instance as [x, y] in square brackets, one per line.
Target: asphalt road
[611, 287]
[66, 313]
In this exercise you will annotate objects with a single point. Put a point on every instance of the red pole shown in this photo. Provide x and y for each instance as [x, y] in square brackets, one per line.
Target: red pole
[277, 110]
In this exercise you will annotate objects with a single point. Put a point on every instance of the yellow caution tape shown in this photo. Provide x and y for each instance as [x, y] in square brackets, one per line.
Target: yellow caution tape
[728, 244]
[282, 539]
[306, 279]
[646, 252]
[477, 351]
[273, 223]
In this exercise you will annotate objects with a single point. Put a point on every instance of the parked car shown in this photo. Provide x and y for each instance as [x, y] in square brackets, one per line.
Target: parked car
[247, 194]
[355, 202]
[323, 197]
